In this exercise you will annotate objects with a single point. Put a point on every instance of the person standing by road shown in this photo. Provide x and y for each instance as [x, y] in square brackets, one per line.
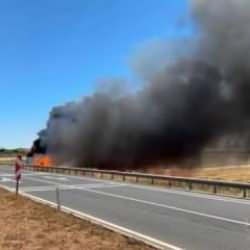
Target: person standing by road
[18, 171]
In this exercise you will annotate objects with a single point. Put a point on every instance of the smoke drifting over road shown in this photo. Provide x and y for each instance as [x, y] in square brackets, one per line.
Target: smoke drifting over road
[203, 96]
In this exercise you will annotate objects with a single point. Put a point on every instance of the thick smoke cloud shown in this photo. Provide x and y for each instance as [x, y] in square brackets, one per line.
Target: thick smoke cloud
[185, 106]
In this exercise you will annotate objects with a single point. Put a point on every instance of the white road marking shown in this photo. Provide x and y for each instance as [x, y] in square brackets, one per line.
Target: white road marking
[165, 190]
[171, 191]
[96, 184]
[177, 192]
[23, 174]
[119, 229]
[116, 228]
[187, 211]
[6, 175]
[66, 187]
[59, 178]
[192, 194]
[155, 204]
[5, 179]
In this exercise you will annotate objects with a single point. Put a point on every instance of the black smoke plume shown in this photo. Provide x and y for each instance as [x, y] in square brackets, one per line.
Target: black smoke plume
[37, 148]
[184, 107]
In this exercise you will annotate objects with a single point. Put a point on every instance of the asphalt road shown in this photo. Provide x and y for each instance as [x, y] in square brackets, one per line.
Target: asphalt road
[186, 220]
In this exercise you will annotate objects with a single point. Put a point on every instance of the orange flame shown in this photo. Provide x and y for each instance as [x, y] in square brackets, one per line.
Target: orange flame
[43, 161]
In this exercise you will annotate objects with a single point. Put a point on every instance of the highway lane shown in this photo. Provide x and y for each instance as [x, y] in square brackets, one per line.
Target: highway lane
[186, 220]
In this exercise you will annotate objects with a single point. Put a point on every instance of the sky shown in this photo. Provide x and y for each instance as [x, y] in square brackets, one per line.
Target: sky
[55, 51]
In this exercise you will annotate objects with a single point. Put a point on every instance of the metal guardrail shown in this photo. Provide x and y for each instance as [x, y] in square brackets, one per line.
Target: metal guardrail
[226, 188]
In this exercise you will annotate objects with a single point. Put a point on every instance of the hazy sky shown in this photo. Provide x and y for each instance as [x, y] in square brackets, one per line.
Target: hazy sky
[55, 51]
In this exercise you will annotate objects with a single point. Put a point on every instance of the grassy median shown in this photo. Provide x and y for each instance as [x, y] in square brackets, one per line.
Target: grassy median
[26, 225]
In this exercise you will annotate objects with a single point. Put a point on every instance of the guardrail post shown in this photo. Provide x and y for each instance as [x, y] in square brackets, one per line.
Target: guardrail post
[152, 181]
[244, 193]
[58, 199]
[190, 186]
[124, 177]
[215, 189]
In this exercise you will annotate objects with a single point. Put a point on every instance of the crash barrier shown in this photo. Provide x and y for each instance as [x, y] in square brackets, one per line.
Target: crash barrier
[224, 188]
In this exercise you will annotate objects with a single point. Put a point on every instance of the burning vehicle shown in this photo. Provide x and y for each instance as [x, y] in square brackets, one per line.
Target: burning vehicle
[37, 156]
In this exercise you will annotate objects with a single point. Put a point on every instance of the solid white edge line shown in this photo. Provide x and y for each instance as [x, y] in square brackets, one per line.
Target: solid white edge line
[95, 220]
[183, 210]
[187, 211]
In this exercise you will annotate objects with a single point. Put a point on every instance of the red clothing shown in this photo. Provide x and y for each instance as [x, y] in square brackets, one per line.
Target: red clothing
[18, 169]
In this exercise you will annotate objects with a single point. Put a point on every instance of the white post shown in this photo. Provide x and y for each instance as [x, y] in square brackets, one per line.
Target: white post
[17, 186]
[58, 199]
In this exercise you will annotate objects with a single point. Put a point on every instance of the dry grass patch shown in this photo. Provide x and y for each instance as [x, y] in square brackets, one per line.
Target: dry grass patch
[228, 173]
[26, 225]
[7, 160]
[234, 173]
